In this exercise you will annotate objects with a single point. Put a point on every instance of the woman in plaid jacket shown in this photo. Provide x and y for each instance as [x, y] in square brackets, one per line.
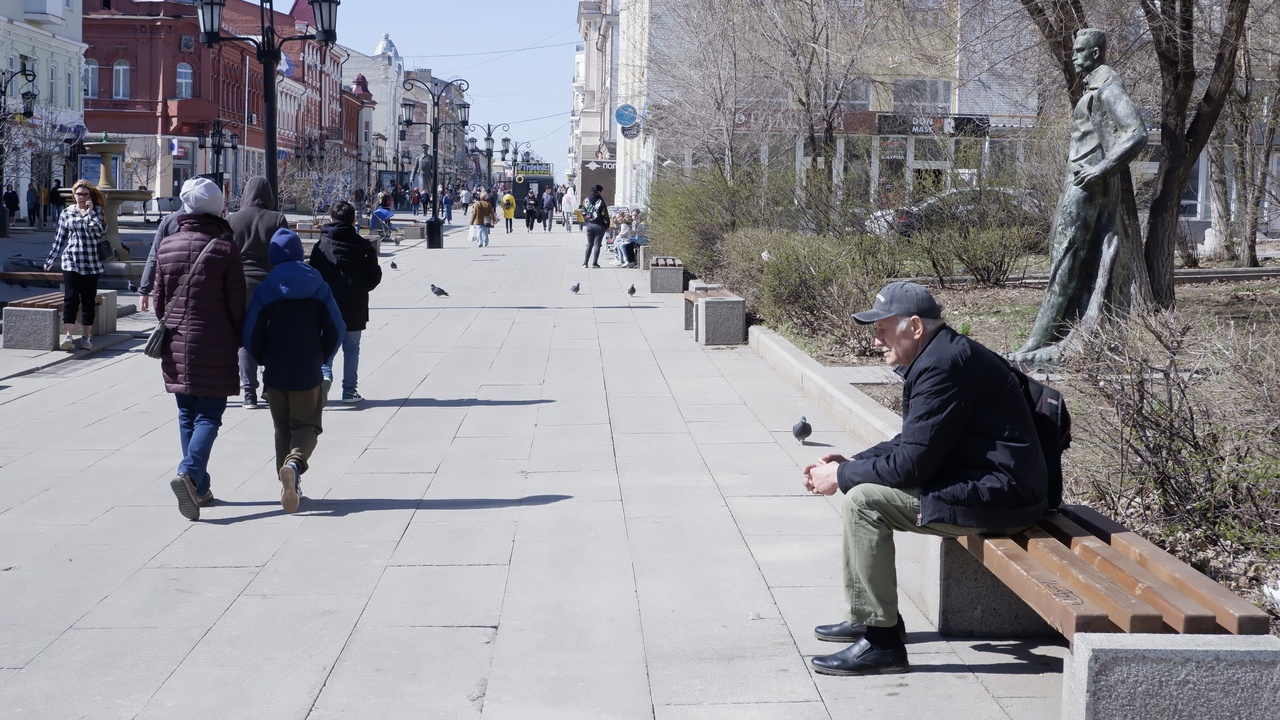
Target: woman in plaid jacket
[76, 245]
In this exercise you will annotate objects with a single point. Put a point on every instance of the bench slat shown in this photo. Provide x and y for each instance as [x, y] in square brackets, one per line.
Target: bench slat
[1181, 613]
[1234, 613]
[47, 300]
[1060, 606]
[32, 275]
[1127, 612]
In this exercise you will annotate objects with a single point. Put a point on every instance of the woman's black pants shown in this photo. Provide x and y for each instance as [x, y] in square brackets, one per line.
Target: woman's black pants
[79, 292]
[595, 237]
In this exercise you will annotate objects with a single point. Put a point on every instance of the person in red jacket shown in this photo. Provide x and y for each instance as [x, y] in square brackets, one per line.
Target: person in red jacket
[204, 318]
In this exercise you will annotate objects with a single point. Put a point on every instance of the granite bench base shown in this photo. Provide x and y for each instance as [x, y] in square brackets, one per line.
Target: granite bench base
[41, 328]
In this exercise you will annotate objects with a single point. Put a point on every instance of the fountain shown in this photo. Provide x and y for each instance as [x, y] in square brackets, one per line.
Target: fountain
[106, 150]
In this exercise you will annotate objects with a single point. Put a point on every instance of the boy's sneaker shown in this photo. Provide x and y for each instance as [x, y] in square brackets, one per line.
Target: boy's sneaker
[290, 487]
[68, 343]
[351, 398]
[188, 501]
[250, 400]
[85, 343]
[206, 500]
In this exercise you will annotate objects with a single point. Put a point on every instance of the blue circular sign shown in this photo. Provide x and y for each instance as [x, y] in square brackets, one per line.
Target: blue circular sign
[626, 115]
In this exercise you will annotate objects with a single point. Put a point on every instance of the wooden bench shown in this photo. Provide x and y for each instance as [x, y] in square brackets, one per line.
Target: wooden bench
[26, 278]
[716, 317]
[666, 275]
[35, 323]
[1085, 573]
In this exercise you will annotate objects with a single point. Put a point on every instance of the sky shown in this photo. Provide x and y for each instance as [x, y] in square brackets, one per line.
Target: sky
[516, 55]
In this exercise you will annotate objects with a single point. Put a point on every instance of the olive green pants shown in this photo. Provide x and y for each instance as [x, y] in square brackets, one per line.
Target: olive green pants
[871, 514]
[296, 416]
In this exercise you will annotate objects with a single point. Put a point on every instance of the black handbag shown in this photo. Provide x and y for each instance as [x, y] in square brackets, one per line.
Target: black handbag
[105, 251]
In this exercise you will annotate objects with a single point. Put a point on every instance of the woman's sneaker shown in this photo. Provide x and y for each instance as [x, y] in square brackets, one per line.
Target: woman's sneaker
[69, 343]
[85, 343]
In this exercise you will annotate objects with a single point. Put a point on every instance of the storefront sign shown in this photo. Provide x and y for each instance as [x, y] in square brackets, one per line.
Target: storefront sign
[949, 125]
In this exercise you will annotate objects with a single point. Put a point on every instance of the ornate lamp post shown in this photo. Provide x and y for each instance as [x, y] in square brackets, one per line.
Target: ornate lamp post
[489, 130]
[269, 45]
[214, 136]
[513, 147]
[435, 237]
[28, 109]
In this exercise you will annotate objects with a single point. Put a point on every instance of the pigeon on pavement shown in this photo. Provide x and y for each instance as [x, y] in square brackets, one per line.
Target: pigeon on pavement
[575, 287]
[802, 430]
[631, 290]
[394, 266]
[439, 291]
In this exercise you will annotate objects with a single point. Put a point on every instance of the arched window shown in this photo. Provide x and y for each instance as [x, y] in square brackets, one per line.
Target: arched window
[71, 89]
[53, 83]
[120, 80]
[186, 80]
[90, 78]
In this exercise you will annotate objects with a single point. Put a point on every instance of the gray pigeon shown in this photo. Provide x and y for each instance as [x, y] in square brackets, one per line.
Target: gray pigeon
[802, 430]
[394, 266]
[575, 287]
[631, 290]
[439, 291]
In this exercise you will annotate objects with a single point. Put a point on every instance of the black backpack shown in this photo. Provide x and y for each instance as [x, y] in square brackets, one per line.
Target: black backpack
[1053, 427]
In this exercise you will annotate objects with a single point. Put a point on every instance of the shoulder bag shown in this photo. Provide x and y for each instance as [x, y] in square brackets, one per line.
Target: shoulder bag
[155, 342]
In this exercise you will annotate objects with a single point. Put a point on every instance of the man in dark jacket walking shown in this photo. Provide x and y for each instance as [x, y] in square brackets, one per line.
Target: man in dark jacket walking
[293, 328]
[967, 461]
[199, 355]
[254, 224]
[349, 264]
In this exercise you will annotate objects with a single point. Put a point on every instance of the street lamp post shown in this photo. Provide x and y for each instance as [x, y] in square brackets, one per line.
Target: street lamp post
[513, 147]
[28, 109]
[435, 237]
[216, 139]
[489, 130]
[269, 45]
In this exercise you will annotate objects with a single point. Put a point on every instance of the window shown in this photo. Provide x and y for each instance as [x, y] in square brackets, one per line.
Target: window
[185, 81]
[71, 89]
[857, 96]
[931, 97]
[90, 79]
[120, 80]
[53, 83]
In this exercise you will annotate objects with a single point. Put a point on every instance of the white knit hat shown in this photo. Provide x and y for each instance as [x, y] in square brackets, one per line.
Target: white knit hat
[201, 195]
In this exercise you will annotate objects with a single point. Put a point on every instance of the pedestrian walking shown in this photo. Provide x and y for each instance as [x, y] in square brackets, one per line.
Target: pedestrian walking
[548, 210]
[254, 224]
[465, 200]
[293, 329]
[58, 202]
[75, 247]
[11, 202]
[44, 206]
[530, 211]
[199, 296]
[483, 218]
[415, 199]
[509, 209]
[33, 204]
[596, 218]
[447, 203]
[349, 264]
[143, 204]
[569, 206]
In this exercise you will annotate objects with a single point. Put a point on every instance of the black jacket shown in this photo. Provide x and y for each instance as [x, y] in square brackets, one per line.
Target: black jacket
[968, 442]
[349, 264]
[254, 224]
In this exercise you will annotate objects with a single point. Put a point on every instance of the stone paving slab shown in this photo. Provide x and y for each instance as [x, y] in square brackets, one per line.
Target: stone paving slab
[549, 506]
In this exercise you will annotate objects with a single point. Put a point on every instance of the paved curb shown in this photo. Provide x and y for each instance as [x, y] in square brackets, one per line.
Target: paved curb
[866, 420]
[57, 357]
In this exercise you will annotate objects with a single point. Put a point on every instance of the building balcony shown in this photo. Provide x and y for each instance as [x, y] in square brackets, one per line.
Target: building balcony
[45, 12]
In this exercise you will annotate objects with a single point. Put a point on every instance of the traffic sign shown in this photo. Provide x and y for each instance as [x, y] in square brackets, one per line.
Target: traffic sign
[626, 115]
[631, 132]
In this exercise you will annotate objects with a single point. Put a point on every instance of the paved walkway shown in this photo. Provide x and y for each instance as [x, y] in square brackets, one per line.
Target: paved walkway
[550, 506]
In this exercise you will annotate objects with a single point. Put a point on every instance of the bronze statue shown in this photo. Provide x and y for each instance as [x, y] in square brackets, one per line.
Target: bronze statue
[1095, 246]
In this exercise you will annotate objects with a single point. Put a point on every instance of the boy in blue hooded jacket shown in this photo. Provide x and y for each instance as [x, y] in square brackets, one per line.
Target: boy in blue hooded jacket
[292, 328]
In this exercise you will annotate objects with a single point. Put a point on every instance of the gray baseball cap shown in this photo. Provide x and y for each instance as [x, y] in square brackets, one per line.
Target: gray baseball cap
[903, 299]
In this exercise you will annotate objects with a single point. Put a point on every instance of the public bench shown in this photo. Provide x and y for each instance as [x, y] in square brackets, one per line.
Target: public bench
[666, 275]
[25, 276]
[35, 323]
[1150, 637]
[716, 316]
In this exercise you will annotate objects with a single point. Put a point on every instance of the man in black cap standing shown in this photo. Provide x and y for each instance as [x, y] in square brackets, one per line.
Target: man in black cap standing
[967, 461]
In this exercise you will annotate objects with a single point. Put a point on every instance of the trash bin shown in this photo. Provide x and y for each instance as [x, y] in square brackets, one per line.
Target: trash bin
[435, 234]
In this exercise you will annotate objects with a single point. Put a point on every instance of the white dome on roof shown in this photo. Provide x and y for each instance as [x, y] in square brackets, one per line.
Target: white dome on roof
[386, 47]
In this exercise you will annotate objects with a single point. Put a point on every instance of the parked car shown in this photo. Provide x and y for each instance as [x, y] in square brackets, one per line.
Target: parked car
[966, 207]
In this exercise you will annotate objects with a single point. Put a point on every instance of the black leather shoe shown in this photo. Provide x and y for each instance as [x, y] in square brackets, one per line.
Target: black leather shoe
[847, 632]
[862, 658]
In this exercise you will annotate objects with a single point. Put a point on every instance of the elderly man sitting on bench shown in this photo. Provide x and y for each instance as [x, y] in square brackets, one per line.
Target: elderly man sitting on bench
[967, 461]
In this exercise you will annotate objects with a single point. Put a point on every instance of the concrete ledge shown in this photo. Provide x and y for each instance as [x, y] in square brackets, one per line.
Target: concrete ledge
[31, 328]
[720, 321]
[666, 279]
[1172, 677]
